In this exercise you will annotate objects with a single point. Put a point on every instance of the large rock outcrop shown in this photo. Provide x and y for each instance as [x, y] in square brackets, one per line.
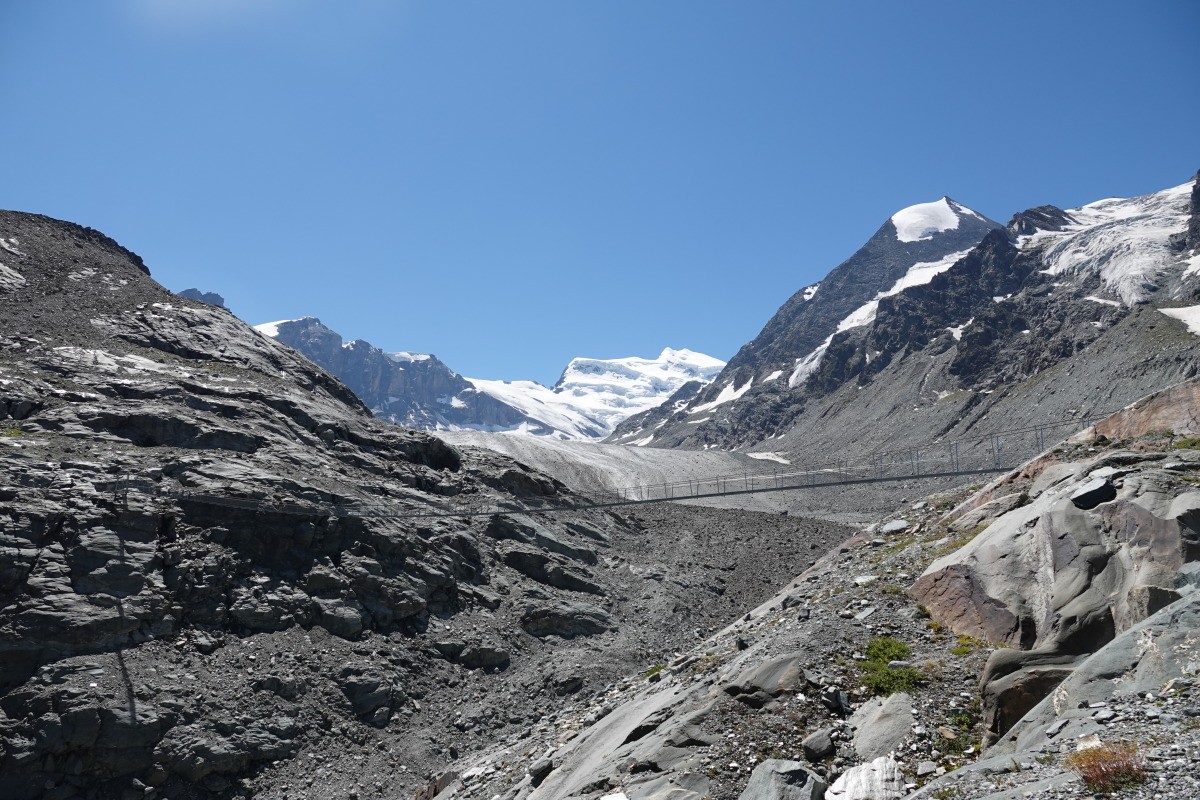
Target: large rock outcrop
[1093, 547]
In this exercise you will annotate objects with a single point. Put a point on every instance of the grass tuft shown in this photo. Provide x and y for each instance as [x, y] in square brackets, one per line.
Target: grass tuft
[1112, 766]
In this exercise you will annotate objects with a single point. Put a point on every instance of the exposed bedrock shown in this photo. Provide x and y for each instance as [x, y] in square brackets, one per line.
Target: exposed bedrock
[1087, 550]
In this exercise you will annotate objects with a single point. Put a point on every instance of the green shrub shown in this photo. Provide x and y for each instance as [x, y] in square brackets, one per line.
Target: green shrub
[885, 649]
[878, 677]
[882, 680]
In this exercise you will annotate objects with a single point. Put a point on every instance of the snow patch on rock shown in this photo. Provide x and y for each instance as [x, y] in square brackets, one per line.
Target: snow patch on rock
[727, 395]
[1188, 315]
[918, 274]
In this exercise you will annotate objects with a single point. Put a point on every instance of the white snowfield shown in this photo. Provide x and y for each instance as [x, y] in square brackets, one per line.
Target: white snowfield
[402, 356]
[594, 395]
[920, 222]
[1126, 242]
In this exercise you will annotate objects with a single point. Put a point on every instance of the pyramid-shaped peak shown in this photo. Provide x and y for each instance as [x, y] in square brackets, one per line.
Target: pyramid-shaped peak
[923, 221]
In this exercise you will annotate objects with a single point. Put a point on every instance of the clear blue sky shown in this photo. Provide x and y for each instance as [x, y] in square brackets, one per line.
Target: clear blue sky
[510, 184]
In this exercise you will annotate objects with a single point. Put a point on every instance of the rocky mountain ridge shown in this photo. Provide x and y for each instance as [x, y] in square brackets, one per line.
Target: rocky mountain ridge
[929, 234]
[1063, 312]
[418, 390]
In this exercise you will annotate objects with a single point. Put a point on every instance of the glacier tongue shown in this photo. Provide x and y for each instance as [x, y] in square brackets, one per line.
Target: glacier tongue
[1125, 242]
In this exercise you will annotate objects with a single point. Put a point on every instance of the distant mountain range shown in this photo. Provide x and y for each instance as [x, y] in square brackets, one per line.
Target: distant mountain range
[945, 319]
[418, 390]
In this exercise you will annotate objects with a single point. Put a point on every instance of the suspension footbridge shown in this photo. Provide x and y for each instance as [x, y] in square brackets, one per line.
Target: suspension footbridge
[982, 455]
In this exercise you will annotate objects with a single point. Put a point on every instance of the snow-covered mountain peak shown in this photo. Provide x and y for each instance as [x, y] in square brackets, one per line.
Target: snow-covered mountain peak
[595, 394]
[417, 389]
[924, 220]
[671, 369]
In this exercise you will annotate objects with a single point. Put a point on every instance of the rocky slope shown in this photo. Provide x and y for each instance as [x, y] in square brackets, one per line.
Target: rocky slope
[1052, 611]
[1061, 313]
[218, 577]
[419, 391]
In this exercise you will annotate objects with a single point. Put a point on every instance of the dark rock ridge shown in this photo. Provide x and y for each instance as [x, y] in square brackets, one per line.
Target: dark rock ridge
[418, 391]
[212, 298]
[215, 580]
[1062, 313]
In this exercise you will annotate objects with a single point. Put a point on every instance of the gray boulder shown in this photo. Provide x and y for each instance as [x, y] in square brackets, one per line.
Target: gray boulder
[877, 780]
[762, 683]
[1061, 581]
[818, 745]
[881, 725]
[783, 780]
[484, 656]
[1125, 664]
[565, 619]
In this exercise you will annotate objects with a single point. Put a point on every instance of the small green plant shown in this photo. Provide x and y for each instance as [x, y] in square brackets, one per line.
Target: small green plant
[1112, 766]
[966, 644]
[885, 649]
[12, 429]
[962, 723]
[657, 668]
[1190, 443]
[881, 679]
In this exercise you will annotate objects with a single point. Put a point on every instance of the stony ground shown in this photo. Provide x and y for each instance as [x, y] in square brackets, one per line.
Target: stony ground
[793, 680]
